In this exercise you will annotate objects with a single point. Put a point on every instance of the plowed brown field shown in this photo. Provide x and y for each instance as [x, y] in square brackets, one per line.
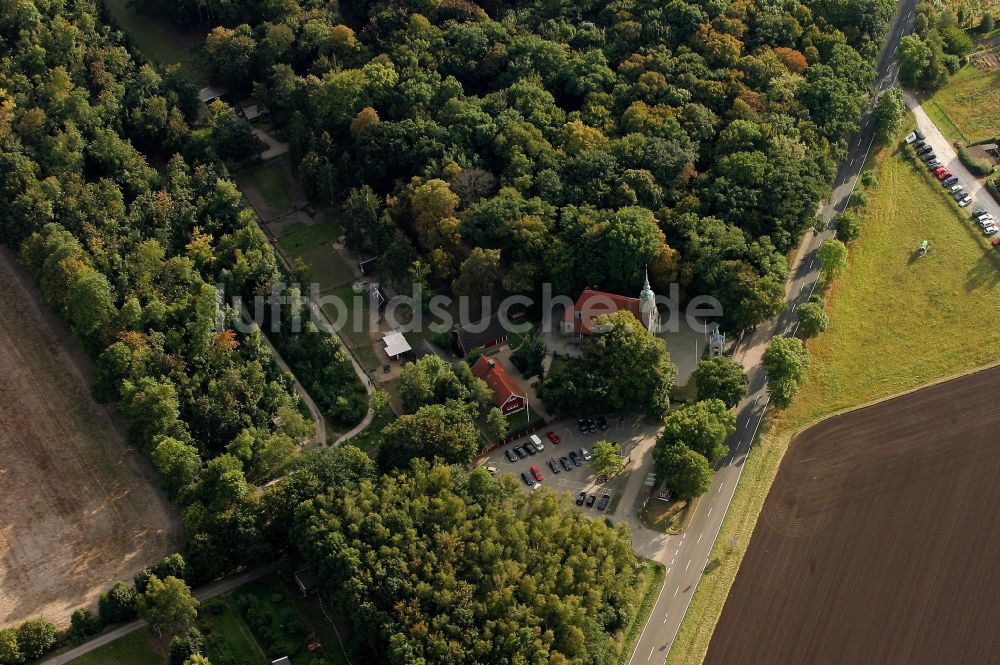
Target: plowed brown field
[879, 541]
[79, 509]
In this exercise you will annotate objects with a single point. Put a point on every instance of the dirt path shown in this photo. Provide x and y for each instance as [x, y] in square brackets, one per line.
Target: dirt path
[80, 508]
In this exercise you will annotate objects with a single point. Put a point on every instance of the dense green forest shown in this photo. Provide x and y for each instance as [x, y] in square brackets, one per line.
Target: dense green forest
[443, 566]
[133, 244]
[583, 140]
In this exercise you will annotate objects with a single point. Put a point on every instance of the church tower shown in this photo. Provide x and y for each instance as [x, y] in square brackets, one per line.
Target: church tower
[647, 305]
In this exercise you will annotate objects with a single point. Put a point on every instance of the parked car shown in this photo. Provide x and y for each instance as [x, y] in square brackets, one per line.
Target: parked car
[990, 230]
[585, 454]
[919, 134]
[979, 212]
[944, 174]
[580, 498]
[941, 169]
[553, 437]
[910, 138]
[565, 464]
[949, 181]
[964, 202]
[955, 188]
[603, 503]
[492, 470]
[591, 499]
[995, 242]
[536, 473]
[919, 144]
[530, 448]
[527, 479]
[933, 164]
[985, 219]
[537, 443]
[602, 423]
[575, 458]
[923, 148]
[959, 194]
[511, 455]
[928, 156]
[553, 466]
[591, 425]
[521, 452]
[582, 424]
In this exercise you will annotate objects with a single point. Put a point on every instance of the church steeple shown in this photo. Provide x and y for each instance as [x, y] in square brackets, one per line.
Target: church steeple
[647, 304]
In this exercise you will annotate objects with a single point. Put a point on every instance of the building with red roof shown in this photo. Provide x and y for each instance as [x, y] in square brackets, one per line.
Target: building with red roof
[506, 394]
[591, 304]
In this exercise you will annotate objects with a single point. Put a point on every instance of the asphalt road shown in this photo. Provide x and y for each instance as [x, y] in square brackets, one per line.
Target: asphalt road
[686, 556]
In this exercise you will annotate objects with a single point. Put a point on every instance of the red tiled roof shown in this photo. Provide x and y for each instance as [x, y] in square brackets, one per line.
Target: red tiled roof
[493, 373]
[592, 304]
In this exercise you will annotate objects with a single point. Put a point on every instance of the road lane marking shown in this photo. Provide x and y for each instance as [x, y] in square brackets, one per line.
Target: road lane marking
[699, 538]
[710, 511]
[688, 564]
[676, 590]
[650, 657]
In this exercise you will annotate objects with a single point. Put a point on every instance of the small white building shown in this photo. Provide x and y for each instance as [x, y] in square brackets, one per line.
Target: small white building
[395, 344]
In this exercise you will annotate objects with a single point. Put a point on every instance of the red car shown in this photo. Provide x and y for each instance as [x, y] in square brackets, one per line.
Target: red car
[995, 242]
[552, 436]
[537, 474]
[943, 174]
[939, 169]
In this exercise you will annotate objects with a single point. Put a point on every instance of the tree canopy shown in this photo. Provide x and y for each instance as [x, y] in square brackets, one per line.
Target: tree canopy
[720, 377]
[505, 576]
[786, 361]
[575, 140]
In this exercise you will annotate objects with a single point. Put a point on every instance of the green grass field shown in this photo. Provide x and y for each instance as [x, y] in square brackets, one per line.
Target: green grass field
[299, 237]
[966, 108]
[137, 647]
[159, 40]
[273, 184]
[227, 638]
[896, 323]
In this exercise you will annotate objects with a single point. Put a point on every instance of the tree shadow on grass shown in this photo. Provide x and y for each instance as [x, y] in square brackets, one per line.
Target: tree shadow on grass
[985, 272]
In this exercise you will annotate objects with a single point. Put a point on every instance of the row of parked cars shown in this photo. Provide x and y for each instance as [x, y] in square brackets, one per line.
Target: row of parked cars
[592, 426]
[589, 499]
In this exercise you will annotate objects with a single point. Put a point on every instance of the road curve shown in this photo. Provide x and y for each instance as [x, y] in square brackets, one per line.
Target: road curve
[686, 555]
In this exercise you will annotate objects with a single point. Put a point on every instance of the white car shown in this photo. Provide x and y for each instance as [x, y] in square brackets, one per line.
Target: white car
[585, 453]
[964, 202]
[989, 230]
[985, 220]
[911, 137]
[538, 442]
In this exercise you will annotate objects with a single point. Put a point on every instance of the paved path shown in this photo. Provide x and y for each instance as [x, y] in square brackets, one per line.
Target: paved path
[213, 590]
[686, 555]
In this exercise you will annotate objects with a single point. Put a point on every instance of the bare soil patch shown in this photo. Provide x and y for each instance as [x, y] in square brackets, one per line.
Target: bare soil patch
[877, 543]
[79, 509]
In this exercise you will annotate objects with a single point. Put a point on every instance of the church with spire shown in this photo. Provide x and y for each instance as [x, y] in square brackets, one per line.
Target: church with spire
[579, 320]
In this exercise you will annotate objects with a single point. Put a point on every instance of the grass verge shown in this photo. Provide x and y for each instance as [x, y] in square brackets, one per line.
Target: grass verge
[298, 237]
[653, 577]
[896, 323]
